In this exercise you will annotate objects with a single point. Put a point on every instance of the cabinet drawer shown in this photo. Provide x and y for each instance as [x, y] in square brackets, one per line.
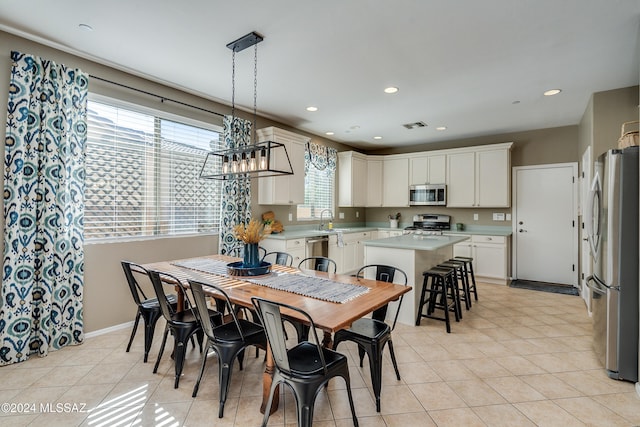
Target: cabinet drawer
[488, 239]
[295, 243]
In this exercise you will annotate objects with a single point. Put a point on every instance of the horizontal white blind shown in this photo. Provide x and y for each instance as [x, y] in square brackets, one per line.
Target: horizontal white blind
[142, 175]
[318, 192]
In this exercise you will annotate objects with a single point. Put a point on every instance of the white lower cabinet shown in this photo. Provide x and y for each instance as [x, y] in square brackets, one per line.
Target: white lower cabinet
[490, 257]
[349, 257]
[295, 247]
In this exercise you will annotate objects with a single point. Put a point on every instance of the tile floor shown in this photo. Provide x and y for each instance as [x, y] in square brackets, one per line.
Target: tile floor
[518, 358]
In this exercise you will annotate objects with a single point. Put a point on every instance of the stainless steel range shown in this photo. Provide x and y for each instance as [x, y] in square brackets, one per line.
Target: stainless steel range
[430, 224]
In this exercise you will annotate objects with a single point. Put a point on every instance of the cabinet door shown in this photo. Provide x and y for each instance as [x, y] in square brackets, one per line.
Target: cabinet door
[350, 257]
[336, 253]
[298, 255]
[461, 184]
[285, 189]
[462, 249]
[359, 182]
[493, 178]
[374, 183]
[419, 170]
[490, 260]
[395, 191]
[437, 168]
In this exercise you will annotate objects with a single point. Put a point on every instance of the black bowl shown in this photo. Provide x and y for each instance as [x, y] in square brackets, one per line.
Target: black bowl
[238, 269]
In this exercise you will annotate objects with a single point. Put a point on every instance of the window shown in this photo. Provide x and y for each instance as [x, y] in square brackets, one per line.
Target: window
[319, 181]
[142, 174]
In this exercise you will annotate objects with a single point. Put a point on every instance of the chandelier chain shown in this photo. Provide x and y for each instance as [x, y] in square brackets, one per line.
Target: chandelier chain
[255, 89]
[233, 86]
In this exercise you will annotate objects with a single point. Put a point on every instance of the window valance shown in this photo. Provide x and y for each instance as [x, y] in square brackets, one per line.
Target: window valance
[320, 156]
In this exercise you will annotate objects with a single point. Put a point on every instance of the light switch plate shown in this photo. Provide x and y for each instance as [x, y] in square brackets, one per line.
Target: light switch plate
[341, 215]
[357, 214]
[290, 216]
[508, 217]
[498, 216]
[475, 217]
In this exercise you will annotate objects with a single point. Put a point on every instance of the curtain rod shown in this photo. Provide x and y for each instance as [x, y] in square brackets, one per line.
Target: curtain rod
[162, 98]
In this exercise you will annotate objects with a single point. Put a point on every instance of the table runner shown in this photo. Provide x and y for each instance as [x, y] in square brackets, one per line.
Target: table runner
[314, 287]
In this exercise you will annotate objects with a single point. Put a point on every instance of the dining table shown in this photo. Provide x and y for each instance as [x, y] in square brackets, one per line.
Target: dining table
[352, 297]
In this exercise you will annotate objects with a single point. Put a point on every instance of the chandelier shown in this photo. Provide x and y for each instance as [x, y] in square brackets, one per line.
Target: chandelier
[259, 158]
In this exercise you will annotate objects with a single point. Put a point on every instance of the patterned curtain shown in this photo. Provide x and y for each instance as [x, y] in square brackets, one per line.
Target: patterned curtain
[43, 268]
[236, 193]
[323, 158]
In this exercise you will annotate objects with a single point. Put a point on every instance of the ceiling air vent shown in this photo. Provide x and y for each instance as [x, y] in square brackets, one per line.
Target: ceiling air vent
[415, 125]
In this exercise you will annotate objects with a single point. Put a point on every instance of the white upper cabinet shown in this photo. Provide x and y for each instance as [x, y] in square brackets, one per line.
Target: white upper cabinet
[428, 169]
[285, 189]
[352, 179]
[374, 181]
[480, 178]
[395, 186]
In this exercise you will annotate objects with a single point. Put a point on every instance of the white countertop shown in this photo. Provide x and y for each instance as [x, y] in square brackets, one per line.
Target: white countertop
[416, 242]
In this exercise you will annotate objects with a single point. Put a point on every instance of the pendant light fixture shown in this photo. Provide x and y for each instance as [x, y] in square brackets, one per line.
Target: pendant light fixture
[258, 159]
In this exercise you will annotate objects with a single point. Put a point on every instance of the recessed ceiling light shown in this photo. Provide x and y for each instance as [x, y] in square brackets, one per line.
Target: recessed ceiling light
[312, 108]
[391, 89]
[355, 127]
[515, 102]
[85, 27]
[552, 92]
[329, 133]
[377, 137]
[441, 128]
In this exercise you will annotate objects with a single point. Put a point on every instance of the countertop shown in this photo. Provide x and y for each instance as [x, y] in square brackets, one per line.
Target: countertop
[416, 242]
[302, 233]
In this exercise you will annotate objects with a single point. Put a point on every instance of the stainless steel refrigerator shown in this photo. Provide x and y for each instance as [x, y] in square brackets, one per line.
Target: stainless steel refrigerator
[613, 236]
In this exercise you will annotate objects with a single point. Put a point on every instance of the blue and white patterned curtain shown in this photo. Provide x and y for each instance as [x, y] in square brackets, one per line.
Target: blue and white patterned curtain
[43, 267]
[236, 193]
[321, 157]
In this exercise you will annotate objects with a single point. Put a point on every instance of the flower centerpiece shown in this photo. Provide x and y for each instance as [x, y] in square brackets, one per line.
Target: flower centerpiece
[251, 234]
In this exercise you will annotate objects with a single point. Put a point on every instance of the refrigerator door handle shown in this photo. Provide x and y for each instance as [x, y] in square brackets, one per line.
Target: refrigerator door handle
[593, 216]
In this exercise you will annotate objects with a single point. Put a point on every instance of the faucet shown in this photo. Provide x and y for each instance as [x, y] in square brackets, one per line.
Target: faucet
[321, 226]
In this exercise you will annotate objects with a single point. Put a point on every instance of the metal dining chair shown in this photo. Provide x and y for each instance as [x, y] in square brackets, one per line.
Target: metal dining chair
[148, 308]
[280, 258]
[228, 340]
[182, 324]
[319, 263]
[372, 334]
[305, 368]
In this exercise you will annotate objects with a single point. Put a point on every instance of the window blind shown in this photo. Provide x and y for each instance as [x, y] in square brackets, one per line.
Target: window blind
[142, 174]
[318, 192]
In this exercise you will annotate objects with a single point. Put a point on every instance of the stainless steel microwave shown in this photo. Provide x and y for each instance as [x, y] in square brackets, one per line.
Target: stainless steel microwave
[428, 194]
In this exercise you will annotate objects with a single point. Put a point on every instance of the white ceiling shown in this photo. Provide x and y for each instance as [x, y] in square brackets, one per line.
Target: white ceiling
[463, 64]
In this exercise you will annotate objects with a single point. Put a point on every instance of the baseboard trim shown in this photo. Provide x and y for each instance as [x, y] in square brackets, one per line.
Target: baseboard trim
[109, 329]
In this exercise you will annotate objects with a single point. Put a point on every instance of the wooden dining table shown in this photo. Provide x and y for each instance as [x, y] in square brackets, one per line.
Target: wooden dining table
[327, 316]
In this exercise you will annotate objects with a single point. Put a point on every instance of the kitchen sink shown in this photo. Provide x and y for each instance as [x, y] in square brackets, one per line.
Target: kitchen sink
[334, 230]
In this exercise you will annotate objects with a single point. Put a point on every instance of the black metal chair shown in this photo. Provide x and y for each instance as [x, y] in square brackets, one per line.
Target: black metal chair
[318, 263]
[373, 334]
[227, 340]
[305, 368]
[182, 324]
[280, 258]
[148, 308]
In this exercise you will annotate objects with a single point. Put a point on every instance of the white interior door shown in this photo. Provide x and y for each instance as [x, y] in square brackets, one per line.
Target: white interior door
[585, 255]
[545, 219]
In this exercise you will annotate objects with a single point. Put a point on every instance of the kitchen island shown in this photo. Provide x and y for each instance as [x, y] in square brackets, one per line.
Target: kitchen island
[413, 253]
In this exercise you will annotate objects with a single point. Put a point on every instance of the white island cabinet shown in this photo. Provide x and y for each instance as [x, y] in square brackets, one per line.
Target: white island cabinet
[413, 254]
[490, 257]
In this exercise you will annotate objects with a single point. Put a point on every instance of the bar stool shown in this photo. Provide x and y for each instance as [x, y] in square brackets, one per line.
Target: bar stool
[468, 267]
[437, 282]
[462, 280]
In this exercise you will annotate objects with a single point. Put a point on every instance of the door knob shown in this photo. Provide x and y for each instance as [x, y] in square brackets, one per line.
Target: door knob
[522, 231]
[520, 222]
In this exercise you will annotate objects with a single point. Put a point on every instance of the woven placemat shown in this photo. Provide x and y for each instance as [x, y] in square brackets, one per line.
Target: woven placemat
[211, 266]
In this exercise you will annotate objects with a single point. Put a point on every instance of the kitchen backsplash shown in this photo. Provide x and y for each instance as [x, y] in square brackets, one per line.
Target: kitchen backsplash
[381, 215]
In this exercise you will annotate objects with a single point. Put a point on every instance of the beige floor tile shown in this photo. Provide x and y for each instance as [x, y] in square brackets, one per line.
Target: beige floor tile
[17, 420]
[513, 389]
[456, 417]
[518, 365]
[550, 386]
[165, 414]
[476, 393]
[432, 352]
[552, 362]
[591, 412]
[397, 400]
[410, 419]
[205, 412]
[626, 405]
[593, 382]
[434, 396]
[465, 350]
[452, 370]
[548, 414]
[63, 375]
[485, 368]
[415, 373]
[502, 416]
